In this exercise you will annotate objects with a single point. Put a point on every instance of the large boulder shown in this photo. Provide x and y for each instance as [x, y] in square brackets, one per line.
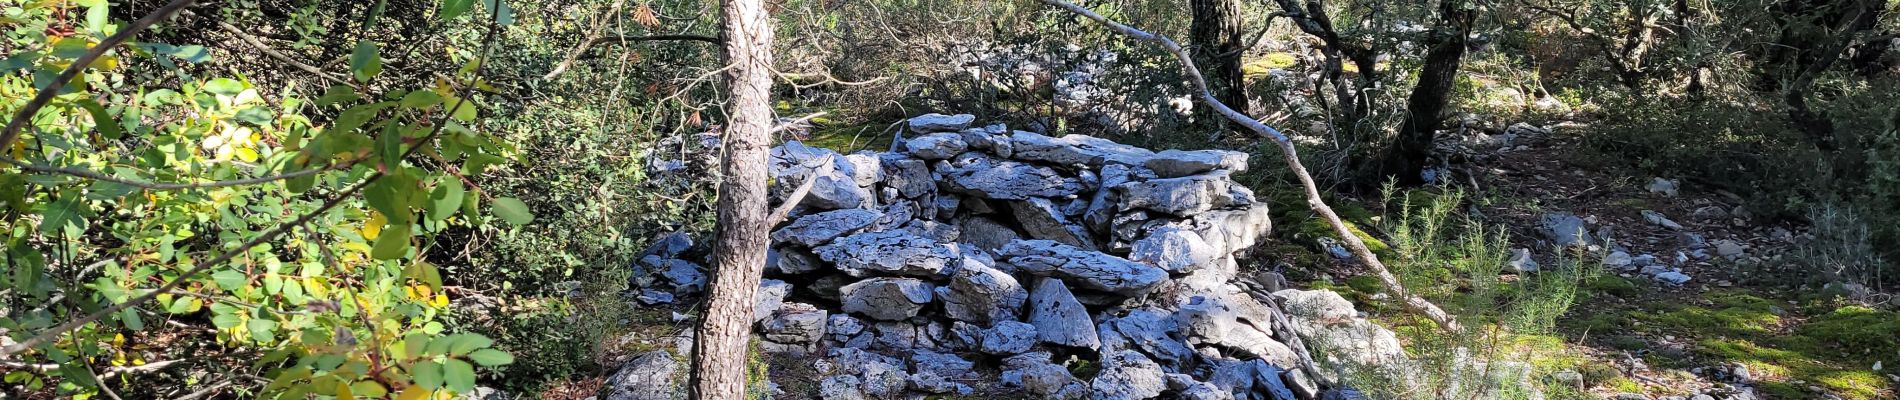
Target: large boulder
[1088, 269]
[1058, 318]
[1184, 196]
[1074, 150]
[936, 146]
[933, 122]
[1173, 249]
[888, 252]
[1155, 332]
[981, 294]
[984, 177]
[888, 299]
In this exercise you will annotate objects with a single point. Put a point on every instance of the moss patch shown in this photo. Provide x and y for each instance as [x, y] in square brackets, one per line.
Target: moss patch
[850, 138]
[1272, 61]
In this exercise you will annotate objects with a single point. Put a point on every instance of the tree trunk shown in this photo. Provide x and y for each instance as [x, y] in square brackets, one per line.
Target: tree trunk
[1216, 40]
[1414, 145]
[719, 359]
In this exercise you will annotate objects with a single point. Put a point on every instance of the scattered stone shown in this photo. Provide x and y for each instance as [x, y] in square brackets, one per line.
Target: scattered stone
[1058, 318]
[1521, 261]
[888, 299]
[1730, 248]
[1566, 230]
[1658, 219]
[1673, 277]
[648, 377]
[1662, 186]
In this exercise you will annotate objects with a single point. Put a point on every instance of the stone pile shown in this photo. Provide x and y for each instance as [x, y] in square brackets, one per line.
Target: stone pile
[979, 257]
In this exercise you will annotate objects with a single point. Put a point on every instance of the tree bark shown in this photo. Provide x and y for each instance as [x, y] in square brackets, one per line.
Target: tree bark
[1414, 145]
[719, 359]
[1216, 40]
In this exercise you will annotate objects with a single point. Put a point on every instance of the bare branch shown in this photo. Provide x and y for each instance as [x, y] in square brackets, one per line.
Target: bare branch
[26, 113]
[591, 41]
[1292, 156]
[95, 175]
[268, 51]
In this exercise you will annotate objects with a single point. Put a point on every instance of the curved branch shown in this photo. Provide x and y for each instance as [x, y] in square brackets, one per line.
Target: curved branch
[95, 175]
[53, 87]
[268, 51]
[590, 42]
[1292, 156]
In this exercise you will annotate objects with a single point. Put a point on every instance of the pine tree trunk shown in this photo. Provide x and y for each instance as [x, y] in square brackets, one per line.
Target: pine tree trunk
[719, 359]
[1408, 156]
[1216, 41]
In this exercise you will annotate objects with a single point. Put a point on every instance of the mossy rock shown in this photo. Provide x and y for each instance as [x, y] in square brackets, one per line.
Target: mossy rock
[1612, 285]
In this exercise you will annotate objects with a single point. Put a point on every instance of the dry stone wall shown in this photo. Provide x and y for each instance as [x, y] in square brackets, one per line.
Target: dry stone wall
[979, 257]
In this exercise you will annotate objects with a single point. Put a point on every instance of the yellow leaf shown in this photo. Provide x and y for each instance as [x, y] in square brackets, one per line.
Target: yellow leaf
[413, 393]
[374, 227]
[440, 301]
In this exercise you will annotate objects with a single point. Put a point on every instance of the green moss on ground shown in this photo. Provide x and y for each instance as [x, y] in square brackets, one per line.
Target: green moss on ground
[850, 138]
[1272, 61]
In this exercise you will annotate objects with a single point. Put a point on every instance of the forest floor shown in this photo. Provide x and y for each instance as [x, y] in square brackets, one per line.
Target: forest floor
[1753, 319]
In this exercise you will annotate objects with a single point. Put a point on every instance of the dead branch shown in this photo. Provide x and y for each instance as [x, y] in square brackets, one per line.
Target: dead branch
[1292, 156]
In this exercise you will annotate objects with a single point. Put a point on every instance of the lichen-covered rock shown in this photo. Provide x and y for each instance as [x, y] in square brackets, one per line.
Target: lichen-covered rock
[818, 229]
[841, 387]
[1088, 269]
[1154, 331]
[932, 383]
[795, 323]
[1566, 230]
[1005, 337]
[1327, 321]
[770, 298]
[1173, 249]
[1043, 220]
[942, 364]
[933, 122]
[936, 146]
[1128, 375]
[1179, 163]
[843, 327]
[888, 299]
[835, 185]
[980, 294]
[1058, 318]
[985, 233]
[648, 377]
[1184, 196]
[984, 177]
[1074, 150]
[1227, 231]
[909, 176]
[794, 261]
[888, 252]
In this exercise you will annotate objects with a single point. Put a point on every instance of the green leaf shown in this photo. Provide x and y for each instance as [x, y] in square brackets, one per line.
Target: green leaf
[262, 330]
[230, 279]
[226, 320]
[466, 342]
[513, 210]
[366, 61]
[256, 115]
[491, 357]
[504, 15]
[130, 317]
[446, 198]
[97, 17]
[392, 243]
[428, 374]
[454, 8]
[224, 86]
[23, 60]
[300, 184]
[108, 126]
[103, 190]
[423, 271]
[465, 110]
[62, 213]
[459, 375]
[337, 94]
[368, 389]
[421, 98]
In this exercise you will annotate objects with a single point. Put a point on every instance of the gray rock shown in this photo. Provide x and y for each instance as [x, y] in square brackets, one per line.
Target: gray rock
[1730, 248]
[648, 377]
[1042, 220]
[936, 146]
[770, 297]
[1178, 163]
[841, 387]
[1566, 230]
[1154, 332]
[1128, 375]
[1058, 318]
[818, 229]
[1102, 205]
[1619, 260]
[985, 233]
[1043, 380]
[910, 176]
[888, 299]
[1173, 249]
[1662, 186]
[842, 327]
[796, 323]
[983, 177]
[1184, 196]
[1522, 262]
[1088, 269]
[888, 252]
[1186, 388]
[1659, 220]
[980, 294]
[932, 383]
[940, 232]
[1673, 277]
[1006, 337]
[835, 184]
[1228, 231]
[1074, 150]
[1324, 320]
[947, 207]
[668, 246]
[895, 336]
[941, 364]
[933, 122]
[684, 276]
[652, 297]
[795, 261]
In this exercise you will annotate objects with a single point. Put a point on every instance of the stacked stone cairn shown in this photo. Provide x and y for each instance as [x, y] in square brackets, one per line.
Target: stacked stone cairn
[978, 257]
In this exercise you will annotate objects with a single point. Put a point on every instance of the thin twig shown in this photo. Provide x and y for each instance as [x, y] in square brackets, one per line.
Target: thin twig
[95, 175]
[590, 42]
[268, 51]
[1287, 151]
